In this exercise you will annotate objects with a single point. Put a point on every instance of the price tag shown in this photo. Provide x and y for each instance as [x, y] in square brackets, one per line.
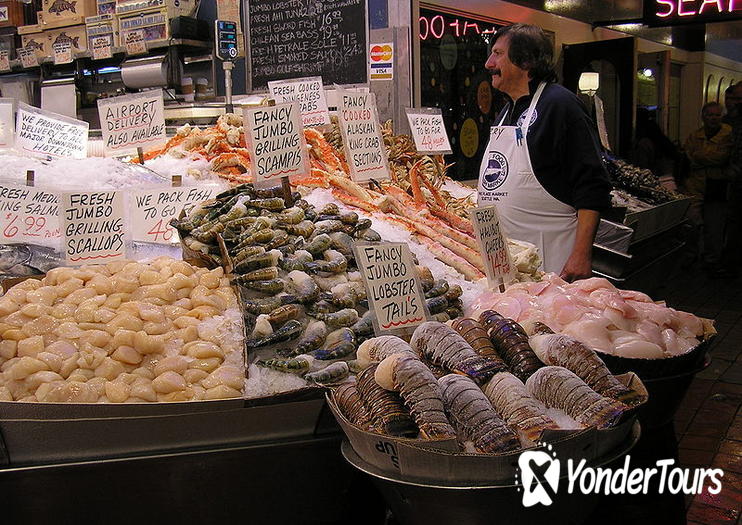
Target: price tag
[309, 93]
[135, 43]
[493, 246]
[359, 125]
[101, 47]
[151, 211]
[62, 52]
[4, 60]
[44, 133]
[393, 289]
[132, 121]
[29, 215]
[92, 227]
[28, 57]
[7, 128]
[428, 131]
[276, 141]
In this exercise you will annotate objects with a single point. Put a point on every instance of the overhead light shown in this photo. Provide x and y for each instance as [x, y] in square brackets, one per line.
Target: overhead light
[589, 83]
[648, 72]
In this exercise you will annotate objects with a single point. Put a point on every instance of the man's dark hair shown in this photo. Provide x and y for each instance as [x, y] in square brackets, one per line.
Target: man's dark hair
[530, 49]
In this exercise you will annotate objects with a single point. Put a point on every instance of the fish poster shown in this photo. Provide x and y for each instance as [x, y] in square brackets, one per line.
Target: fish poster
[46, 134]
[133, 121]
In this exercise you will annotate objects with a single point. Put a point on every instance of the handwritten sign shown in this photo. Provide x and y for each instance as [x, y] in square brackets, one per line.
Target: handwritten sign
[101, 47]
[7, 130]
[135, 43]
[92, 226]
[4, 60]
[493, 246]
[28, 57]
[309, 93]
[132, 121]
[28, 214]
[428, 131]
[44, 133]
[276, 141]
[62, 52]
[151, 210]
[392, 285]
[359, 126]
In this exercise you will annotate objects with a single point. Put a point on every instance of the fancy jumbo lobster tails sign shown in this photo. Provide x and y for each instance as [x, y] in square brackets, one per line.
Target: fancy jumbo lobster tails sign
[393, 289]
[673, 12]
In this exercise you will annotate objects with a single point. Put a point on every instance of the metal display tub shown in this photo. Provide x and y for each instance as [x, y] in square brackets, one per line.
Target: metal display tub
[422, 503]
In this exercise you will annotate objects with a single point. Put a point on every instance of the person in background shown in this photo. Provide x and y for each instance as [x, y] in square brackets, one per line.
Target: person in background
[708, 149]
[733, 253]
[542, 168]
[654, 151]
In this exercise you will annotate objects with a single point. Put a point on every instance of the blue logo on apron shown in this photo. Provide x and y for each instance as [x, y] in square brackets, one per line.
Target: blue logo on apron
[496, 171]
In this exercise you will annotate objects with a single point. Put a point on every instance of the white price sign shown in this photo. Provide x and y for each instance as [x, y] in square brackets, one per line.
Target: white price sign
[393, 289]
[493, 245]
[135, 43]
[92, 227]
[132, 121]
[44, 133]
[29, 215]
[359, 125]
[152, 210]
[7, 128]
[428, 131]
[276, 141]
[28, 57]
[309, 93]
[101, 47]
[62, 52]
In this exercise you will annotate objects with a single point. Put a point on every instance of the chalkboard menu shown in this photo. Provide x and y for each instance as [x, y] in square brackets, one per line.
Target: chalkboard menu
[303, 38]
[453, 50]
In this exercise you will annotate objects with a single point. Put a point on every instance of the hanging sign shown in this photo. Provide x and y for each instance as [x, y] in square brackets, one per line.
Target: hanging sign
[492, 245]
[392, 285]
[276, 141]
[151, 210]
[132, 121]
[92, 226]
[135, 43]
[28, 57]
[359, 126]
[7, 128]
[428, 131]
[673, 12]
[309, 93]
[62, 52]
[44, 133]
[29, 215]
[101, 47]
[4, 60]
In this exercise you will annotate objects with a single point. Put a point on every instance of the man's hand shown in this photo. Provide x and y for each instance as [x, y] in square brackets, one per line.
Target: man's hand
[579, 264]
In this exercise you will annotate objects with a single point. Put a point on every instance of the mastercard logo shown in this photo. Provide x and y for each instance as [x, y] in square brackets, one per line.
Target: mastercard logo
[381, 53]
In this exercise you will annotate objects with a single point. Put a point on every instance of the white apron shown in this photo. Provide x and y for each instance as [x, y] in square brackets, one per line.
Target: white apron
[527, 211]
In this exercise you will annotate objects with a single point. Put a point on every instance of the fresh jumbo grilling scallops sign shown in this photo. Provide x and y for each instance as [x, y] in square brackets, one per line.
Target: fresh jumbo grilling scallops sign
[132, 121]
[392, 285]
[92, 226]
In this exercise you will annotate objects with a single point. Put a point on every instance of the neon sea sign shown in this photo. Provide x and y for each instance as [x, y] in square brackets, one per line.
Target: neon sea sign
[670, 12]
[435, 27]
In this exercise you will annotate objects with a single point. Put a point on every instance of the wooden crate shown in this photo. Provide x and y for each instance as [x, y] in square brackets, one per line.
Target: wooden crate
[11, 13]
[76, 33]
[63, 13]
[37, 41]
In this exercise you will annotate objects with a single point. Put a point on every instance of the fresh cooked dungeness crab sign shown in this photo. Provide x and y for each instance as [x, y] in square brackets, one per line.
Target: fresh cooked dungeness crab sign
[393, 289]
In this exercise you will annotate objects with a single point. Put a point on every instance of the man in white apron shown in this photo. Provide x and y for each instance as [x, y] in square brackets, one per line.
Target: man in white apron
[542, 168]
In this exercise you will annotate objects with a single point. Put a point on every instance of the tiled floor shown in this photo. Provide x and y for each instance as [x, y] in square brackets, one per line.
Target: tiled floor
[708, 424]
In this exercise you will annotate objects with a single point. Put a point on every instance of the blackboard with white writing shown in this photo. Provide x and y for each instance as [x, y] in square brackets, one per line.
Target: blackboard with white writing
[302, 38]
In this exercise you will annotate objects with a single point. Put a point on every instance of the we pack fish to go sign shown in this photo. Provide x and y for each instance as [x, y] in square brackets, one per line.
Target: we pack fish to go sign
[276, 141]
[132, 121]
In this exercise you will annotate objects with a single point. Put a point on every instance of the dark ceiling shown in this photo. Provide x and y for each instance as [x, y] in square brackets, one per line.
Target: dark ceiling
[720, 38]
